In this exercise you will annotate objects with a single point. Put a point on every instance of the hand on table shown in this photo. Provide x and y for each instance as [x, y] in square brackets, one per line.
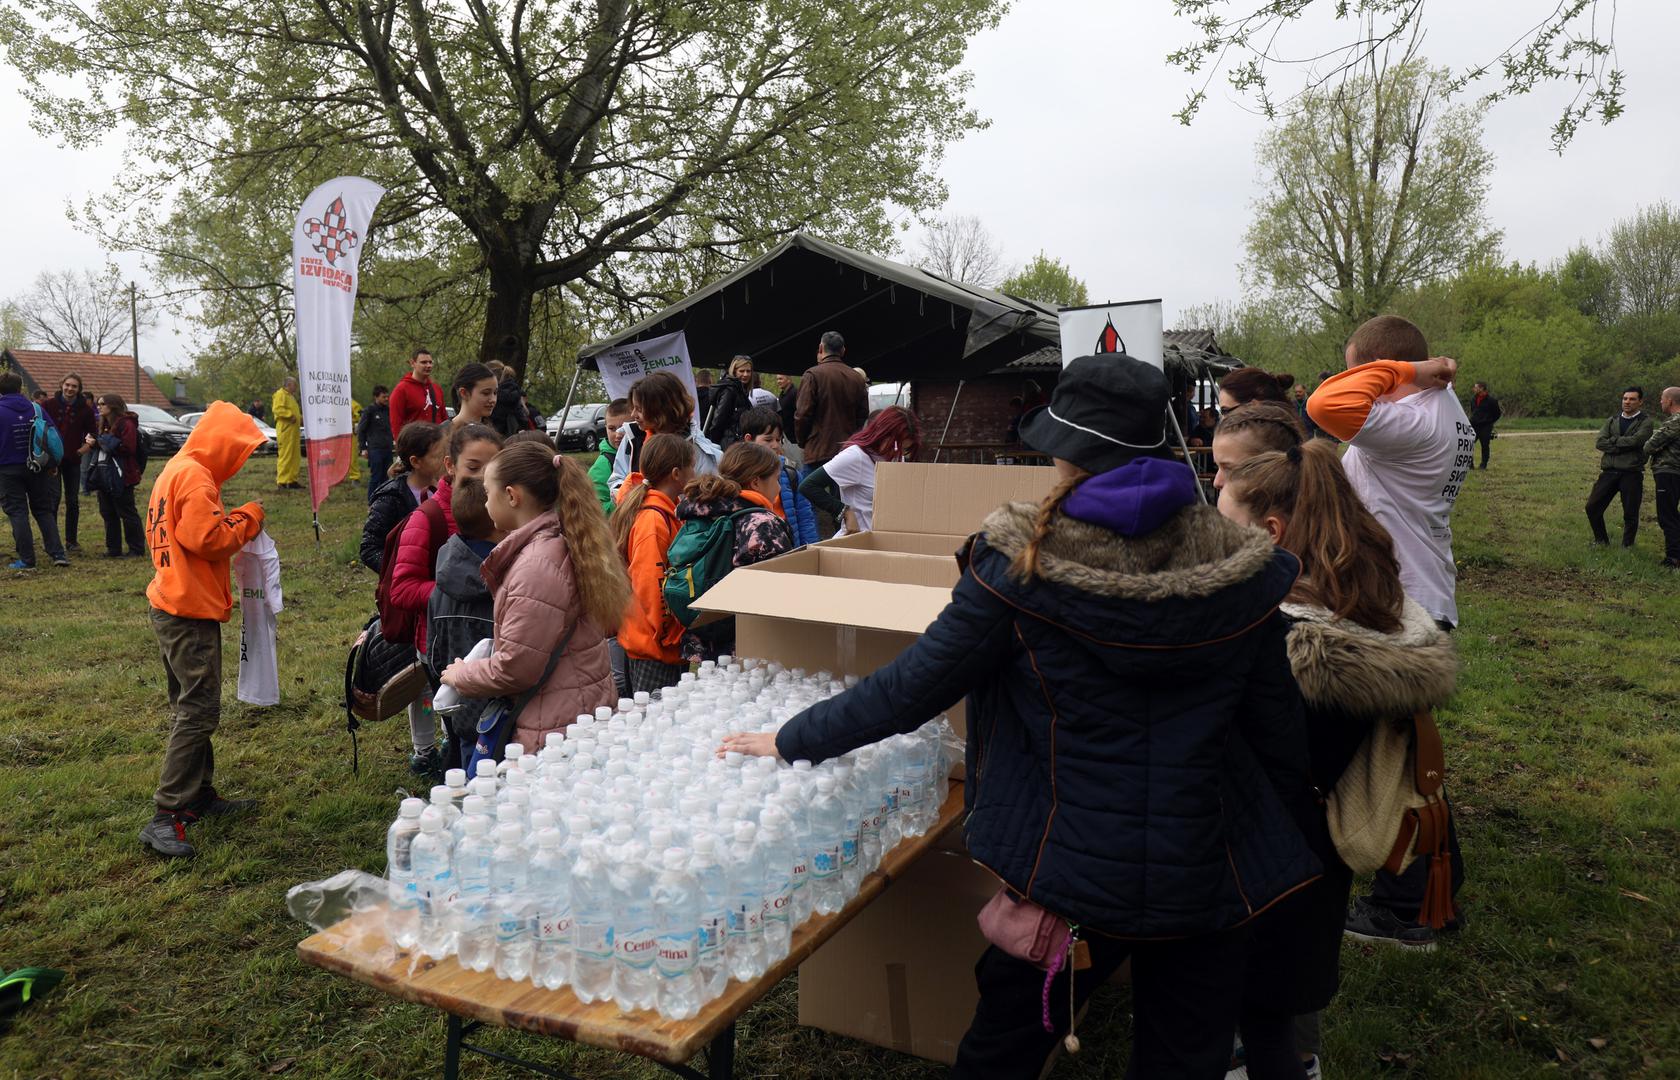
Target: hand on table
[758, 744]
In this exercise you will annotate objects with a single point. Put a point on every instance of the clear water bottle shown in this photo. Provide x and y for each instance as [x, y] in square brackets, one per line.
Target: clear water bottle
[475, 934]
[676, 901]
[869, 805]
[828, 828]
[443, 801]
[799, 841]
[429, 861]
[714, 915]
[846, 789]
[456, 781]
[402, 918]
[635, 937]
[918, 772]
[776, 849]
[510, 904]
[551, 926]
[592, 924]
[745, 944]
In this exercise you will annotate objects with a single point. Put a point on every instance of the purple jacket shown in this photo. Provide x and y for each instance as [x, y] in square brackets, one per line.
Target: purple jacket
[17, 413]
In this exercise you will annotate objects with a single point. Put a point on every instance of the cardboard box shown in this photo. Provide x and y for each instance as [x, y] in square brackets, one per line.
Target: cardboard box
[900, 975]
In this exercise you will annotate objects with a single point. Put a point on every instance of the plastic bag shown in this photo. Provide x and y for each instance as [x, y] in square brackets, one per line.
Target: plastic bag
[327, 903]
[448, 699]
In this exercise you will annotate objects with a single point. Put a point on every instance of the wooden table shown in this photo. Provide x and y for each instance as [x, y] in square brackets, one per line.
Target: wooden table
[358, 948]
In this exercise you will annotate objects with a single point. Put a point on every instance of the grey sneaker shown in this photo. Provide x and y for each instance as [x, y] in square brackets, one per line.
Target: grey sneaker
[1371, 922]
[61, 560]
[213, 805]
[166, 834]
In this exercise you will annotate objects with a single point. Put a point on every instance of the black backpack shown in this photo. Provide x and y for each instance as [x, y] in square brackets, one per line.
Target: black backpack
[381, 678]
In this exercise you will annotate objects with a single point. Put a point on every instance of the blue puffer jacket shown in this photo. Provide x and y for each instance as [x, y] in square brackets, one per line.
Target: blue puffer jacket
[801, 517]
[1136, 749]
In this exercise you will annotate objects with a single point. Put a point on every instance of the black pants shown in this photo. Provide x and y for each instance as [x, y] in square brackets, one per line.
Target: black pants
[1185, 999]
[1668, 513]
[26, 494]
[70, 478]
[121, 519]
[1630, 484]
[1484, 435]
[379, 465]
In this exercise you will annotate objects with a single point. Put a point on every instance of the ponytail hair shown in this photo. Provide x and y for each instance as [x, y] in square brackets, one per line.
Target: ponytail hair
[740, 465]
[663, 455]
[1251, 384]
[416, 439]
[1025, 565]
[1347, 557]
[558, 482]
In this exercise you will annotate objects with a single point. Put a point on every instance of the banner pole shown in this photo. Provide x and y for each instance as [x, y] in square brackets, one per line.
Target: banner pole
[1172, 417]
[577, 373]
[956, 397]
[315, 519]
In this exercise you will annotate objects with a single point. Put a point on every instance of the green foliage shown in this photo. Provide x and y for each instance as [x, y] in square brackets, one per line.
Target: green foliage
[1047, 280]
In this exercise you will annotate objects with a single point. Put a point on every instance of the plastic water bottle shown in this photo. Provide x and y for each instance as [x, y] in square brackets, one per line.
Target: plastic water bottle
[676, 900]
[799, 843]
[635, 938]
[550, 885]
[592, 924]
[443, 801]
[429, 862]
[745, 944]
[869, 805]
[777, 853]
[828, 827]
[402, 919]
[509, 905]
[456, 781]
[475, 934]
[714, 915]
[846, 789]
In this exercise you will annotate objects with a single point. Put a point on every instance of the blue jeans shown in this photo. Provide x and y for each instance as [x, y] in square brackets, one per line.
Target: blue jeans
[379, 463]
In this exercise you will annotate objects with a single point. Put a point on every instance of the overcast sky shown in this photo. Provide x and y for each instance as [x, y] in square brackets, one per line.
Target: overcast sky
[1084, 158]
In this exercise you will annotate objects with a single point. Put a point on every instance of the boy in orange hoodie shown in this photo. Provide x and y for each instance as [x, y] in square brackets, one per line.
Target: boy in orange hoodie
[193, 541]
[643, 525]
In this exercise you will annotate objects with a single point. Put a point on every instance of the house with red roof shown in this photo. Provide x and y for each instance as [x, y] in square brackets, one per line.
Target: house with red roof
[102, 373]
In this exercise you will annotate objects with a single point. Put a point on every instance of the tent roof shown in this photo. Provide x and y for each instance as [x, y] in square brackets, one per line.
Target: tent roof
[900, 322]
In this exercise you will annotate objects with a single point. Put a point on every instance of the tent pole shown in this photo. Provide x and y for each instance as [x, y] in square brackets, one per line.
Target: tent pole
[956, 397]
[577, 373]
[1172, 418]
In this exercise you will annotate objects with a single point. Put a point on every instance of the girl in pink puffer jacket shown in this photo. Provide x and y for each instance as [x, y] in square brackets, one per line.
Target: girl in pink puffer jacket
[555, 574]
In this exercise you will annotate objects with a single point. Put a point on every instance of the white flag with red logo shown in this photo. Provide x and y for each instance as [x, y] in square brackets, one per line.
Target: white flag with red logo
[327, 244]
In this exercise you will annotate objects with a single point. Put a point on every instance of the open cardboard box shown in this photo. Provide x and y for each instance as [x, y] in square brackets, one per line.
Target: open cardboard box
[900, 975]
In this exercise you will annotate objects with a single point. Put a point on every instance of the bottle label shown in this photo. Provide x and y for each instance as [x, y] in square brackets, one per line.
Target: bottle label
[637, 948]
[826, 862]
[511, 928]
[592, 939]
[408, 896]
[779, 908]
[801, 871]
[554, 927]
[713, 926]
[849, 850]
[676, 955]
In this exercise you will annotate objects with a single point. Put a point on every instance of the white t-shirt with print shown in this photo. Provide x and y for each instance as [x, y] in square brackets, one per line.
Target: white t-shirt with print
[257, 569]
[1407, 463]
[853, 472]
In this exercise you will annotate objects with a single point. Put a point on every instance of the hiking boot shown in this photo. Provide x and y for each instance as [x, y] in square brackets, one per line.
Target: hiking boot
[166, 834]
[1372, 922]
[213, 805]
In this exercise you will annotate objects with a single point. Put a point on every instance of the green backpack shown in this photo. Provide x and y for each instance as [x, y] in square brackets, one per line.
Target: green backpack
[701, 555]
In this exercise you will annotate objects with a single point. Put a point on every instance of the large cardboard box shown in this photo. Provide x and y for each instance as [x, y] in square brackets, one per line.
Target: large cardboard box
[900, 975]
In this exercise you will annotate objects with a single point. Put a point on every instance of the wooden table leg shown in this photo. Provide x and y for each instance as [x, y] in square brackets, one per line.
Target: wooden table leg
[720, 1055]
[452, 1050]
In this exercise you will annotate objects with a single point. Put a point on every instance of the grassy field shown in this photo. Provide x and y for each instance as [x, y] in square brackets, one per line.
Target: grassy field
[1563, 744]
[1514, 424]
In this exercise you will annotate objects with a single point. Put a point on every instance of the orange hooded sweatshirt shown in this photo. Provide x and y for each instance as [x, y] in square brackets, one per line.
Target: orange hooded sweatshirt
[649, 630]
[193, 540]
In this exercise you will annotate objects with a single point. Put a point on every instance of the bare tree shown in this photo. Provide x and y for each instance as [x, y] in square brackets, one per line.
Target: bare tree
[78, 312]
[959, 247]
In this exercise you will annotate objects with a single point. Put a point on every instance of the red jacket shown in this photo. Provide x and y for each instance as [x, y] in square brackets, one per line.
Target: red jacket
[414, 575]
[75, 421]
[412, 399]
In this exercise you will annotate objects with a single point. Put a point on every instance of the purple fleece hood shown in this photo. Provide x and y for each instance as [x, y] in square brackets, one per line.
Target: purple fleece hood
[1136, 498]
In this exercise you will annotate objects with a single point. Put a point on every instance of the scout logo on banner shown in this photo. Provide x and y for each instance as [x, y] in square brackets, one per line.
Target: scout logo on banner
[327, 242]
[624, 365]
[1133, 328]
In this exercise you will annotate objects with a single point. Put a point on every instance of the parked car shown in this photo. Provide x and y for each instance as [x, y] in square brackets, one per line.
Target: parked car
[272, 446]
[583, 428]
[163, 433]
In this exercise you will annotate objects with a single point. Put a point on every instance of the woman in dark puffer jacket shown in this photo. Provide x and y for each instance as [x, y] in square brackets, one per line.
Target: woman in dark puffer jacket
[420, 454]
[1136, 754]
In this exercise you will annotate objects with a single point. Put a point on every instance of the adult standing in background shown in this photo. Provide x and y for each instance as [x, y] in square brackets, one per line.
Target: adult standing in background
[1484, 413]
[416, 396]
[256, 411]
[1621, 469]
[1663, 451]
[787, 400]
[355, 473]
[703, 394]
[118, 436]
[509, 416]
[833, 403]
[288, 431]
[373, 439]
[75, 420]
[729, 401]
[23, 491]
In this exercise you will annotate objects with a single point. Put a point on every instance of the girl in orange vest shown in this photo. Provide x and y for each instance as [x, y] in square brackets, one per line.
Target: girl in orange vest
[643, 525]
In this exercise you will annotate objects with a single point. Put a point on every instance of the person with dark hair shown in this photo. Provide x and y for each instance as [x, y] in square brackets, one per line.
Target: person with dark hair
[1140, 630]
[764, 425]
[703, 393]
[288, 434]
[1484, 413]
[75, 419]
[600, 471]
[844, 487]
[24, 492]
[374, 440]
[1663, 451]
[118, 438]
[729, 401]
[416, 396]
[1252, 429]
[660, 404]
[460, 612]
[643, 526]
[473, 394]
[420, 451]
[1621, 468]
[256, 410]
[787, 402]
[509, 415]
[1248, 384]
[833, 404]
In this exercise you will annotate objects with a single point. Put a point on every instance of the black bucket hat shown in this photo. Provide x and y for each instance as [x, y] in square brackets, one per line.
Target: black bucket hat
[1106, 410]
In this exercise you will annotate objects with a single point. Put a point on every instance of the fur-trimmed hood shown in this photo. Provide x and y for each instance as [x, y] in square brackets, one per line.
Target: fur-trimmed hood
[1350, 668]
[1196, 579]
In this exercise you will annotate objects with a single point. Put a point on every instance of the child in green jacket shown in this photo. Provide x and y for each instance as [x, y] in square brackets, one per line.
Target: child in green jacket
[600, 473]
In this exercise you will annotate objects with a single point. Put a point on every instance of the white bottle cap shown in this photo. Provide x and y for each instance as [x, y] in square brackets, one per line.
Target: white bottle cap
[410, 808]
[773, 819]
[555, 738]
[476, 806]
[802, 766]
[527, 763]
[476, 825]
[485, 769]
[578, 824]
[825, 785]
[620, 834]
[431, 821]
[745, 832]
[508, 834]
[483, 786]
[676, 858]
[441, 795]
[541, 820]
[642, 698]
[705, 847]
[455, 778]
[518, 778]
[548, 838]
[660, 837]
[626, 704]
[512, 752]
[725, 660]
[604, 713]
